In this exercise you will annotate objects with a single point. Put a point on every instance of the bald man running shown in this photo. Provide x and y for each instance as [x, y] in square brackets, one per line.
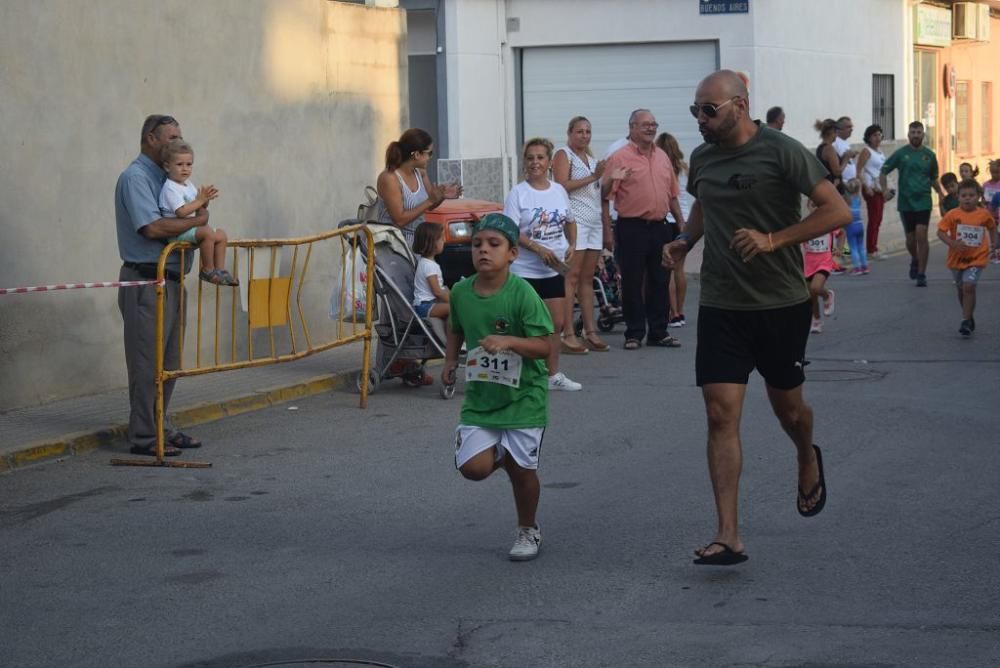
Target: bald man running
[754, 307]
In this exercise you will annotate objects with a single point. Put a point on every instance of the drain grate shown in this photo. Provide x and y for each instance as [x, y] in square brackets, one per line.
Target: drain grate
[842, 375]
[321, 663]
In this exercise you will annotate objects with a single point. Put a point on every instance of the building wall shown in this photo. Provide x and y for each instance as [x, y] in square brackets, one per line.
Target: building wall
[816, 60]
[289, 105]
[786, 47]
[975, 62]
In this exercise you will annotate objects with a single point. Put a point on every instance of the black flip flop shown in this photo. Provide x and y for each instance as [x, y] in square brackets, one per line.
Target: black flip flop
[150, 450]
[725, 557]
[181, 440]
[820, 484]
[666, 342]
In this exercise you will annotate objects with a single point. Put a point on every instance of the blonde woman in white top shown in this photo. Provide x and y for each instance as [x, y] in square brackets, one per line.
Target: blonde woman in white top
[576, 170]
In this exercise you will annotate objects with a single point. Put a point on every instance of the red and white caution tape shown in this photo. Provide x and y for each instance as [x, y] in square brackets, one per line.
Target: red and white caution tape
[78, 286]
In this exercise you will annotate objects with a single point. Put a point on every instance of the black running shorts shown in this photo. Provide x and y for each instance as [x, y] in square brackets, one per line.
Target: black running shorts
[553, 287]
[731, 344]
[911, 219]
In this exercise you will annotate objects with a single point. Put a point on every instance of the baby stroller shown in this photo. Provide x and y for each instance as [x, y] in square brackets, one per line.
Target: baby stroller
[607, 295]
[405, 340]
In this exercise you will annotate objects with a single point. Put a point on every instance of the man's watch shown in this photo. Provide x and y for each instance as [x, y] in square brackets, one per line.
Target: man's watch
[683, 236]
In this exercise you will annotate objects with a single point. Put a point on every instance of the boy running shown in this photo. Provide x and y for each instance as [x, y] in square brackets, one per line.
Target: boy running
[965, 230]
[506, 394]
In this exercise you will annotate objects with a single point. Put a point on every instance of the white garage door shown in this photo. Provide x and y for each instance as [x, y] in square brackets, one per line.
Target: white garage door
[606, 82]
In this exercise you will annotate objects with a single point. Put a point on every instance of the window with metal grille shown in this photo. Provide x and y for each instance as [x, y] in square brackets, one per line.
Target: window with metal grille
[883, 104]
[987, 120]
[963, 121]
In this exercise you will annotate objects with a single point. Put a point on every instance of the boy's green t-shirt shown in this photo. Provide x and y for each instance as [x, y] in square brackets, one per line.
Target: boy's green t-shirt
[949, 202]
[758, 186]
[918, 168]
[516, 310]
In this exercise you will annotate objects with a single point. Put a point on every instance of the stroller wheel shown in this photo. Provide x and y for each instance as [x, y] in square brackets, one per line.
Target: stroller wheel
[373, 380]
[447, 391]
[605, 324]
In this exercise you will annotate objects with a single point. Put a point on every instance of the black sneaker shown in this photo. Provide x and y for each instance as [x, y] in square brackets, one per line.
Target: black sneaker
[921, 281]
[913, 268]
[965, 329]
[972, 324]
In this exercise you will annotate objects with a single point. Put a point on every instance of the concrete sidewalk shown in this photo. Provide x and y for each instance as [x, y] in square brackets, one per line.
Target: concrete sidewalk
[82, 424]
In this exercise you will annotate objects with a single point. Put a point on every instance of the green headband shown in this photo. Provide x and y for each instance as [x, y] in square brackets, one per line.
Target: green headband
[501, 223]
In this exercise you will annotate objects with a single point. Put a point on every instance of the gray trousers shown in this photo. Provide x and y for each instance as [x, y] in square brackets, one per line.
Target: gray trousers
[138, 308]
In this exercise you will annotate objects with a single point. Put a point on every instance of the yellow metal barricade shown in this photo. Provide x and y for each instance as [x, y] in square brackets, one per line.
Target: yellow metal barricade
[269, 303]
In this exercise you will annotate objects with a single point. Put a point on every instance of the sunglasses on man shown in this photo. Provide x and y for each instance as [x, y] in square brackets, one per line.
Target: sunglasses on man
[710, 110]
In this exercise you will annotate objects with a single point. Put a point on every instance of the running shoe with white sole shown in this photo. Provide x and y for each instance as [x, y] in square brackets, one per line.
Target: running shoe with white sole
[965, 329]
[829, 303]
[526, 545]
[817, 326]
[559, 381]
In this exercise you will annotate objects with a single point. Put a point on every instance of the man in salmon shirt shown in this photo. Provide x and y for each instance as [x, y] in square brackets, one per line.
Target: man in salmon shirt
[643, 186]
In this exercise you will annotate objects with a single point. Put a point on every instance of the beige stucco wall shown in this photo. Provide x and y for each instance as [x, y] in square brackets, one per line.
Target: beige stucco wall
[288, 104]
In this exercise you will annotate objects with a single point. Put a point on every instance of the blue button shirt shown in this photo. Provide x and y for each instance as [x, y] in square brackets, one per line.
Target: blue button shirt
[136, 205]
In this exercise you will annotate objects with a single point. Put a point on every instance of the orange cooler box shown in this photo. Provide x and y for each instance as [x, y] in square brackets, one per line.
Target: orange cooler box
[458, 216]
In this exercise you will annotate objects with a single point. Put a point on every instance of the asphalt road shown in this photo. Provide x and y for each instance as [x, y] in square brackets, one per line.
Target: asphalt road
[328, 532]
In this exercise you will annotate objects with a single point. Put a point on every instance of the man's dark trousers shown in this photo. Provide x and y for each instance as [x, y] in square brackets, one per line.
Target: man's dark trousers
[644, 279]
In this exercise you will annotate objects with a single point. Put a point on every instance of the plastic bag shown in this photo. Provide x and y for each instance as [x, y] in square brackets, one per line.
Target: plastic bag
[369, 211]
[350, 288]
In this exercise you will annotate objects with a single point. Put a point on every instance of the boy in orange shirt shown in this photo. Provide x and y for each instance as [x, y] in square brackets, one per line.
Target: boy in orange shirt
[964, 230]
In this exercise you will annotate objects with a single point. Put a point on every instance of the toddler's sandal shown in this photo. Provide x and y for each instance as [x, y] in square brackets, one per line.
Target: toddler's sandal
[227, 278]
[213, 277]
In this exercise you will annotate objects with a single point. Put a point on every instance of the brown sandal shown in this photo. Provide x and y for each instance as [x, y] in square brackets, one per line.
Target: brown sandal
[572, 349]
[597, 346]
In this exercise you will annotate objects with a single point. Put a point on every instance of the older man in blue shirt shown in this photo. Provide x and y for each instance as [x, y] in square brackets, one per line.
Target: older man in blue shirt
[141, 236]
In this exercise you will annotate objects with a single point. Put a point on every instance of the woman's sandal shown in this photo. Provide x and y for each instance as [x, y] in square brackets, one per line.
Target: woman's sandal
[571, 348]
[633, 344]
[597, 346]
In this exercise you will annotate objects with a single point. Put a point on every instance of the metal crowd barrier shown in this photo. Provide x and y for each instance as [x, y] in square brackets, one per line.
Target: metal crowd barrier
[269, 304]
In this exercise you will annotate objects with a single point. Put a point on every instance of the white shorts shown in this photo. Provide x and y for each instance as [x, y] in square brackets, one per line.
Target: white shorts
[589, 237]
[523, 444]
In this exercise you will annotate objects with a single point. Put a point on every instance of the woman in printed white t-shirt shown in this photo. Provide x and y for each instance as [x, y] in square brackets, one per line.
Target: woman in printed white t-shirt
[541, 209]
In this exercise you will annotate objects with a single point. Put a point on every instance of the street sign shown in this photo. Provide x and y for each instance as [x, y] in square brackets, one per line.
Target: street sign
[719, 7]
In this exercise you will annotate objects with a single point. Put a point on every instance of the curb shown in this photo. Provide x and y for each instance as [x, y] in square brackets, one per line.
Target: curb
[79, 443]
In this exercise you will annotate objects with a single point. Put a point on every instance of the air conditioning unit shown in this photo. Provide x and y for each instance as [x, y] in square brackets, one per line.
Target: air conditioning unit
[964, 19]
[983, 23]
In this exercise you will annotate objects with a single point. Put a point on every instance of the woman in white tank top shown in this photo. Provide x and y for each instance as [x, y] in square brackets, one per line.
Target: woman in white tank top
[405, 192]
[576, 170]
[869, 167]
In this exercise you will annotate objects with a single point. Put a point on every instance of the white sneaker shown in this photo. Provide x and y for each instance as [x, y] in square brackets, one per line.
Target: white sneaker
[817, 326]
[829, 303]
[526, 545]
[559, 381]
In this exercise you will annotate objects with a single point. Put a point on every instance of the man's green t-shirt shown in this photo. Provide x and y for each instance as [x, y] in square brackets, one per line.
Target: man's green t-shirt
[918, 168]
[516, 310]
[757, 186]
